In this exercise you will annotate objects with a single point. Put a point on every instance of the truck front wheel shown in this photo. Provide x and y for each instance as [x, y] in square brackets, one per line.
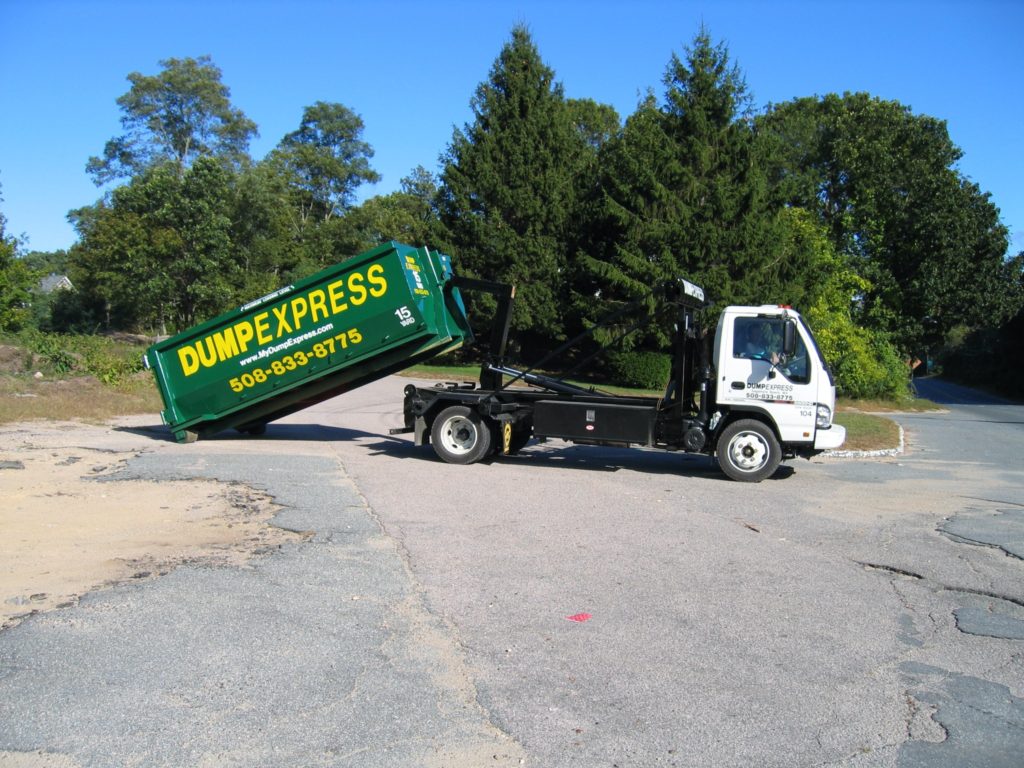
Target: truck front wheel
[460, 436]
[748, 451]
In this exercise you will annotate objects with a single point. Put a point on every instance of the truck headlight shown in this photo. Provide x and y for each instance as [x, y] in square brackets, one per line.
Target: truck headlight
[824, 419]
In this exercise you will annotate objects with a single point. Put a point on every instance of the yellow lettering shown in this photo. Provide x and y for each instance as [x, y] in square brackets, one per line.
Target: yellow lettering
[189, 360]
[336, 294]
[357, 292]
[282, 324]
[226, 345]
[317, 305]
[262, 328]
[243, 334]
[300, 308]
[375, 275]
[207, 352]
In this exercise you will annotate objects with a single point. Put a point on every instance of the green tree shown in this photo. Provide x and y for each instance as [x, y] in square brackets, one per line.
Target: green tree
[884, 183]
[864, 362]
[683, 194]
[181, 114]
[325, 161]
[17, 280]
[159, 251]
[633, 218]
[110, 266]
[509, 183]
[264, 235]
[595, 123]
[48, 262]
[204, 274]
[409, 216]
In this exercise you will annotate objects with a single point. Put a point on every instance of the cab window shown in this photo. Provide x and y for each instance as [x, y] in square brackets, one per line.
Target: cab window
[760, 338]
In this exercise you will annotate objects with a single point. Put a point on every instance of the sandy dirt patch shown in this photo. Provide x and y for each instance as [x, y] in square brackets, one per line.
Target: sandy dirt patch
[68, 528]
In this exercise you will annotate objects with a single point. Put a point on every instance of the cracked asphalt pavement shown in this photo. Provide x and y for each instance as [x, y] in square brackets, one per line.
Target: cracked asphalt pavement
[844, 613]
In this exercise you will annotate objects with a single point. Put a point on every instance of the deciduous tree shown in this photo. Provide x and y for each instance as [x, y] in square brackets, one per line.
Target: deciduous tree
[16, 282]
[159, 252]
[325, 161]
[181, 114]
[409, 216]
[885, 184]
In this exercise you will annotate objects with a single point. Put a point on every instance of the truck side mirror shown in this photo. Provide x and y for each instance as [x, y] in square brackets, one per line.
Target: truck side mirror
[789, 338]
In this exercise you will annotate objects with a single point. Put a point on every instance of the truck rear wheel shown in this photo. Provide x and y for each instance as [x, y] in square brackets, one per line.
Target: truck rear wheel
[748, 451]
[520, 437]
[460, 436]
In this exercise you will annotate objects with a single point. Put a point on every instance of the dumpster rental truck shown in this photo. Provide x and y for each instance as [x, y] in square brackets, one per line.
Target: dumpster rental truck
[755, 393]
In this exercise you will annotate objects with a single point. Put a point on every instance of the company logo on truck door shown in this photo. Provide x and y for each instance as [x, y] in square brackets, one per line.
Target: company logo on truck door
[772, 393]
[291, 316]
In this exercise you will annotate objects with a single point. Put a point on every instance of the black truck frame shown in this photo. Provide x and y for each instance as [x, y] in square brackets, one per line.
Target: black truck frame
[465, 422]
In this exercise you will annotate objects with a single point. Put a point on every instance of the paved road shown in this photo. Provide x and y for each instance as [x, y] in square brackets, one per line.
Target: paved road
[947, 393]
[844, 613]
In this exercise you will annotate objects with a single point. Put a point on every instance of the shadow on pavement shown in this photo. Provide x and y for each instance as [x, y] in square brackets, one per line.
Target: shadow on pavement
[552, 455]
[586, 458]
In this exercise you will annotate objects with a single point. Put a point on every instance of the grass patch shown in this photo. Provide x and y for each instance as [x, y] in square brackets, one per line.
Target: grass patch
[868, 432]
[904, 405]
[93, 378]
[443, 372]
[24, 398]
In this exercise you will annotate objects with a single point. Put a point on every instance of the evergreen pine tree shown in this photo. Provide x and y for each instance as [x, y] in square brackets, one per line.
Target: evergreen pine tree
[683, 193]
[508, 186]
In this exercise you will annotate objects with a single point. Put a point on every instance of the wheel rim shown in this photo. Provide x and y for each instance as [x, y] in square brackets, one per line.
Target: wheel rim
[749, 451]
[459, 435]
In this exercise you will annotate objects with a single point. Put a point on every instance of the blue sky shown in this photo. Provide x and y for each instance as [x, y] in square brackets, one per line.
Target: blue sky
[410, 68]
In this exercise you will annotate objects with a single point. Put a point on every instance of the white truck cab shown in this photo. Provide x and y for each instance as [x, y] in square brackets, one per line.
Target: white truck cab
[768, 367]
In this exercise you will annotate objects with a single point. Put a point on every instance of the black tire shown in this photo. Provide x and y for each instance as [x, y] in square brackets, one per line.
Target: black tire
[748, 451]
[460, 436]
[520, 437]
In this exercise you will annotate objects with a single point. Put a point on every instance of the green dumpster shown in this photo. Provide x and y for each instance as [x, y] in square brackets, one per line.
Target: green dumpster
[352, 323]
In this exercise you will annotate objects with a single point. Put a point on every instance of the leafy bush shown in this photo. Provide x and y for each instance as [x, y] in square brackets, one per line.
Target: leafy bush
[643, 370]
[865, 364]
[109, 361]
[51, 349]
[16, 281]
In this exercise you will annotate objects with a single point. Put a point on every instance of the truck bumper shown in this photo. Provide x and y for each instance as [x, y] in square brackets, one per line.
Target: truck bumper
[829, 439]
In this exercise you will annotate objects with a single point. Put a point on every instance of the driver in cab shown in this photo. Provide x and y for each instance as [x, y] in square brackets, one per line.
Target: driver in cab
[755, 340]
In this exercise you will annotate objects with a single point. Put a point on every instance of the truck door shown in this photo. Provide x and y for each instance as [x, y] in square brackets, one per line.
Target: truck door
[755, 373]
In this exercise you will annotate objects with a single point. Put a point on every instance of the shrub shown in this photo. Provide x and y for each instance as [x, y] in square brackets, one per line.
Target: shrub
[643, 370]
[865, 364]
[51, 349]
[109, 361]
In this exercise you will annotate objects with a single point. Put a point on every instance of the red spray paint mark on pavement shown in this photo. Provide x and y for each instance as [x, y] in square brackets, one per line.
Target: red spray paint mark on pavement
[579, 617]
